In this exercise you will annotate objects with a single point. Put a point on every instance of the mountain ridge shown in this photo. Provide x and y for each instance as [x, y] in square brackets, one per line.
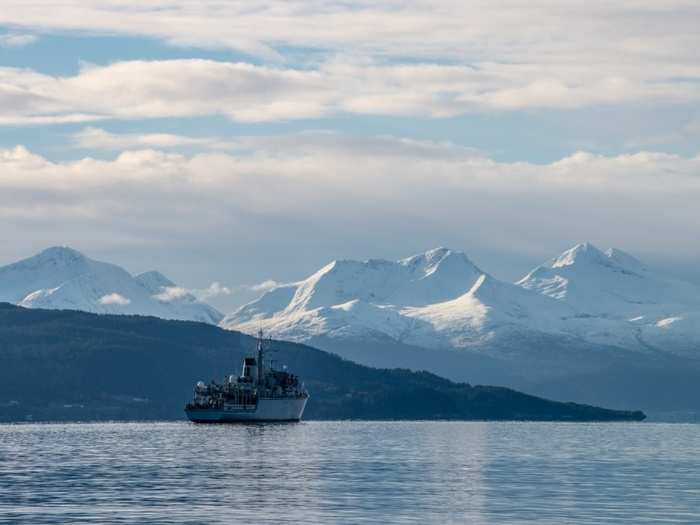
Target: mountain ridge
[435, 299]
[583, 300]
[60, 277]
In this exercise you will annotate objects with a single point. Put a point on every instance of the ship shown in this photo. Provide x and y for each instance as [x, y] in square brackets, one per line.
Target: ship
[259, 393]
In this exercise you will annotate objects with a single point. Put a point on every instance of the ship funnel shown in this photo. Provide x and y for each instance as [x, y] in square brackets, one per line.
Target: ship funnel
[250, 369]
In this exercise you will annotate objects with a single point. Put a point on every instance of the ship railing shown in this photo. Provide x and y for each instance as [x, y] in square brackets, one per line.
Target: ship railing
[233, 406]
[291, 395]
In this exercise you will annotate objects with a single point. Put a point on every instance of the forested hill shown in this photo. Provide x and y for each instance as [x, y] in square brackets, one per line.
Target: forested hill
[69, 365]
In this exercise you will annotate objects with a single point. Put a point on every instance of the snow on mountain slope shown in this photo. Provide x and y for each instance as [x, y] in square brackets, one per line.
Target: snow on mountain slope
[46, 270]
[618, 300]
[610, 282]
[63, 278]
[358, 297]
[679, 332]
[488, 307]
[434, 276]
[438, 299]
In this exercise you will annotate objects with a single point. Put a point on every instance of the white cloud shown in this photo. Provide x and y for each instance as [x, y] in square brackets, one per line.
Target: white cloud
[264, 286]
[168, 294]
[330, 191]
[548, 31]
[97, 138]
[8, 40]
[43, 120]
[114, 299]
[171, 88]
[254, 93]
[177, 293]
[215, 289]
[423, 58]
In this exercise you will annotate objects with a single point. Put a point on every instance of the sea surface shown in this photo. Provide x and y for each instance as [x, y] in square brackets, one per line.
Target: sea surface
[350, 472]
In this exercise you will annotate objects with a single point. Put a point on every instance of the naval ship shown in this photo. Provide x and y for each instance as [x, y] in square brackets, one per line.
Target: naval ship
[260, 393]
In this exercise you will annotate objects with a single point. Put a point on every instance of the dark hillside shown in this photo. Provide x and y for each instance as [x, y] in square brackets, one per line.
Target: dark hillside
[68, 365]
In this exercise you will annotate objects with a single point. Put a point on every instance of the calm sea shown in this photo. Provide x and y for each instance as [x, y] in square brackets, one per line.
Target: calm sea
[350, 472]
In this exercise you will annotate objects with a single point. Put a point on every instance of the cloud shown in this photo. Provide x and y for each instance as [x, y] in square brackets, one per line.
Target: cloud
[287, 198]
[114, 299]
[548, 31]
[170, 88]
[168, 294]
[177, 293]
[244, 92]
[264, 286]
[9, 40]
[44, 120]
[215, 289]
[314, 59]
[97, 138]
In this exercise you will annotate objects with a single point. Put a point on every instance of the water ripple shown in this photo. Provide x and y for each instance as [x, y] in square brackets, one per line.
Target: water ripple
[350, 472]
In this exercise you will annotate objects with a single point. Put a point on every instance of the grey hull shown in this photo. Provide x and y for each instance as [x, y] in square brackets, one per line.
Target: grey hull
[266, 410]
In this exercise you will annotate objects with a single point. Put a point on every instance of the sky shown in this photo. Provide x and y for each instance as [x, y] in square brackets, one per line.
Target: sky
[242, 142]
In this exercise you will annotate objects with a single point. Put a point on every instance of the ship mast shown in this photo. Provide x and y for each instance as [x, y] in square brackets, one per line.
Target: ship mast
[261, 355]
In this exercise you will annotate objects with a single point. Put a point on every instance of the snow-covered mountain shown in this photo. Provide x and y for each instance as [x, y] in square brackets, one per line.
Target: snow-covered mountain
[619, 301]
[439, 299]
[63, 278]
[608, 283]
[584, 298]
[589, 325]
[355, 298]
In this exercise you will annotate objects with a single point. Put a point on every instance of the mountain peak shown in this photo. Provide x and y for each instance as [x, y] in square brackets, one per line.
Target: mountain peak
[60, 253]
[438, 253]
[154, 281]
[441, 257]
[609, 284]
[434, 255]
[439, 299]
[584, 251]
[586, 254]
[61, 277]
[51, 261]
[434, 276]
